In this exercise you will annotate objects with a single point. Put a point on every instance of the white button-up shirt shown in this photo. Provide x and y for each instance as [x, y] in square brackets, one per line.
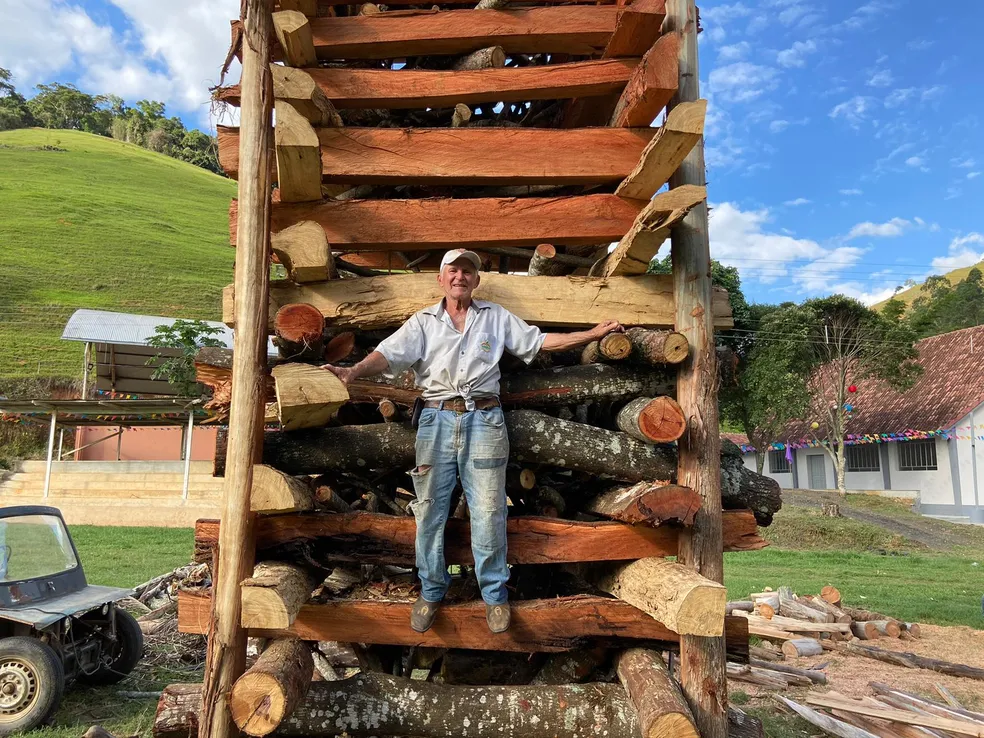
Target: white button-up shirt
[449, 364]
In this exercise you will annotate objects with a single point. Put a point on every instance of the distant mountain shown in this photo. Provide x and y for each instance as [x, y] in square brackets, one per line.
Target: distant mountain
[909, 295]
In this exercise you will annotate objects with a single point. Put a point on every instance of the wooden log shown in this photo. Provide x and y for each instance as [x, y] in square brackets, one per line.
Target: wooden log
[328, 499]
[462, 114]
[543, 263]
[275, 594]
[683, 128]
[802, 647]
[298, 88]
[538, 626]
[373, 704]
[838, 615]
[662, 710]
[652, 503]
[831, 594]
[888, 628]
[798, 626]
[652, 420]
[307, 397]
[389, 410]
[791, 608]
[743, 725]
[828, 724]
[276, 492]
[339, 348]
[387, 89]
[298, 156]
[636, 28]
[459, 666]
[859, 614]
[650, 229]
[578, 30]
[177, 711]
[953, 709]
[368, 303]
[906, 717]
[225, 658]
[743, 605]
[295, 38]
[864, 630]
[765, 654]
[652, 85]
[303, 251]
[657, 347]
[615, 346]
[570, 667]
[487, 58]
[913, 629]
[674, 595]
[271, 689]
[813, 675]
[761, 677]
[299, 329]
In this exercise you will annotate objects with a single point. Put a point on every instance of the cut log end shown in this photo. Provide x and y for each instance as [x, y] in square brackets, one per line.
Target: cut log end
[802, 647]
[830, 594]
[615, 346]
[258, 705]
[299, 323]
[675, 348]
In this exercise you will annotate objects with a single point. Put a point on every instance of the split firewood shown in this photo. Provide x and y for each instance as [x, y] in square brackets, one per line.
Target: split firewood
[307, 397]
[270, 690]
[659, 703]
[295, 38]
[299, 330]
[652, 420]
[653, 503]
[298, 88]
[276, 492]
[298, 156]
[276, 591]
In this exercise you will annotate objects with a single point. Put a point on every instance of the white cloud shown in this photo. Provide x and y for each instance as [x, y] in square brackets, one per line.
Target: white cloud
[920, 45]
[734, 52]
[854, 111]
[742, 81]
[894, 227]
[820, 274]
[778, 126]
[717, 19]
[851, 192]
[795, 55]
[960, 255]
[964, 162]
[881, 78]
[917, 162]
[867, 13]
[973, 175]
[798, 201]
[899, 97]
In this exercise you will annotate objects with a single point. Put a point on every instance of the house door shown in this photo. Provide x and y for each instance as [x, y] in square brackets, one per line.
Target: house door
[818, 475]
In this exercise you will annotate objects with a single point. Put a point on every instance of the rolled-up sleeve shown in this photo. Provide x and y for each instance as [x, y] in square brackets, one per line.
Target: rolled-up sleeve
[522, 340]
[404, 348]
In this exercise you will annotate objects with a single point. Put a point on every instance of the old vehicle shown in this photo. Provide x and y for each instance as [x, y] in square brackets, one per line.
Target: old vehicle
[55, 628]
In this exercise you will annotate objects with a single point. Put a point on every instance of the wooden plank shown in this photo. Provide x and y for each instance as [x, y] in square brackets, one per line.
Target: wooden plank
[905, 717]
[636, 28]
[651, 228]
[439, 224]
[375, 538]
[652, 85]
[681, 131]
[425, 88]
[552, 625]
[461, 156]
[580, 30]
[369, 303]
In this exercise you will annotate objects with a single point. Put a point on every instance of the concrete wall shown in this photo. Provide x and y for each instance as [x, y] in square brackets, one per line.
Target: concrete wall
[164, 443]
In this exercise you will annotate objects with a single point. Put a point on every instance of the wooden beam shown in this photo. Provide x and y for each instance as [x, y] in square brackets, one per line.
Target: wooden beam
[442, 223]
[298, 156]
[427, 88]
[294, 35]
[375, 538]
[276, 492]
[636, 28]
[307, 397]
[369, 303]
[666, 151]
[278, 590]
[652, 85]
[580, 30]
[636, 249]
[225, 658]
[553, 625]
[444, 156]
[297, 87]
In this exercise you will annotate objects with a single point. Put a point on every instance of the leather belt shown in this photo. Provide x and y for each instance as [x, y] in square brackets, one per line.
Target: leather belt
[457, 404]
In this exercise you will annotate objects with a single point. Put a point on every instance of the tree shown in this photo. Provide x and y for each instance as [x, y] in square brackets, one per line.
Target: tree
[14, 112]
[189, 336]
[942, 307]
[829, 344]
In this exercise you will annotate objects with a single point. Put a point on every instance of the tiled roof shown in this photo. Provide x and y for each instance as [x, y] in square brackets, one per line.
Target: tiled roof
[739, 439]
[951, 385]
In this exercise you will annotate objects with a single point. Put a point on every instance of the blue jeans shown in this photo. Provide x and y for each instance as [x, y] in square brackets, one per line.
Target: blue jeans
[474, 445]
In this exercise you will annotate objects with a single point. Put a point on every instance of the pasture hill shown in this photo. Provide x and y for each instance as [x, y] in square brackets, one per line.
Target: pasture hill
[91, 222]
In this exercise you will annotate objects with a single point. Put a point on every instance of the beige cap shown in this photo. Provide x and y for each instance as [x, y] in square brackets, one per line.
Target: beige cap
[455, 254]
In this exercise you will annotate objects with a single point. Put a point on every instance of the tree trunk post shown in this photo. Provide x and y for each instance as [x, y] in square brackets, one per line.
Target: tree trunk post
[702, 658]
[226, 656]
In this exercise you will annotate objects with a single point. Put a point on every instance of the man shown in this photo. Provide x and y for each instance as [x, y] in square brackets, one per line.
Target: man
[454, 349]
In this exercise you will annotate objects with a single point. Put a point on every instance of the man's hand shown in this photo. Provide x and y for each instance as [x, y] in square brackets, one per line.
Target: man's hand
[347, 374]
[604, 328]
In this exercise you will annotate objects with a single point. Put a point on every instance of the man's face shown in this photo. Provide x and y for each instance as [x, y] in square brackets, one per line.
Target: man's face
[459, 279]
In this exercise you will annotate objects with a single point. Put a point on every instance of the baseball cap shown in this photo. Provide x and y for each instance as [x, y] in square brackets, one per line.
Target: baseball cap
[455, 254]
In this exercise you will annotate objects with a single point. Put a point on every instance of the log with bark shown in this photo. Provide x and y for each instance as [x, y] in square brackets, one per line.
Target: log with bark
[658, 347]
[908, 660]
[299, 330]
[276, 492]
[276, 591]
[652, 503]
[270, 689]
[802, 647]
[652, 420]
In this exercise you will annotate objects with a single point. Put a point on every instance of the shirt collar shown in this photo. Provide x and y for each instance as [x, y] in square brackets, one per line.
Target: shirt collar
[437, 309]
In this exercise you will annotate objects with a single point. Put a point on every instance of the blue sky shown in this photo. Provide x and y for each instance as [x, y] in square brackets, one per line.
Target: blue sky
[843, 137]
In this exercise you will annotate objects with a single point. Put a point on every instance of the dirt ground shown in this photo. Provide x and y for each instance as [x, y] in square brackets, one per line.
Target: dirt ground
[850, 675]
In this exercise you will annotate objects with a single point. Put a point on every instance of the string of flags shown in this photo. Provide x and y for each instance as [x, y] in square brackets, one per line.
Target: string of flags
[857, 439]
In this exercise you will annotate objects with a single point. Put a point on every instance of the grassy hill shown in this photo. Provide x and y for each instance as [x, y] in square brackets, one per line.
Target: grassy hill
[91, 222]
[909, 295]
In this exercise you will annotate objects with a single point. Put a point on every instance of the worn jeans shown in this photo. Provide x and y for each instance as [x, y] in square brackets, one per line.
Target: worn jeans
[474, 445]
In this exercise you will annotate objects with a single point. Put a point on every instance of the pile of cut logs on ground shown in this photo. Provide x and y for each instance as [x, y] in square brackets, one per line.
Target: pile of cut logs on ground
[523, 133]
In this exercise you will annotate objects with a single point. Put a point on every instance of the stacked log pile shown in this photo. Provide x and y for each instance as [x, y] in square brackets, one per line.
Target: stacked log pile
[524, 134]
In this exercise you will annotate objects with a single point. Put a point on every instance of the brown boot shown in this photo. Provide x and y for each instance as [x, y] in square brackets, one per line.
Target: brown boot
[497, 616]
[422, 614]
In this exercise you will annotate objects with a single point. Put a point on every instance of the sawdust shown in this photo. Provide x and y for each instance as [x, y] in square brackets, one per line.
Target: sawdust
[850, 675]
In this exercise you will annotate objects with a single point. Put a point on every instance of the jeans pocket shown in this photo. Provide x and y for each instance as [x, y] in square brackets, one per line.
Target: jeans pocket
[492, 417]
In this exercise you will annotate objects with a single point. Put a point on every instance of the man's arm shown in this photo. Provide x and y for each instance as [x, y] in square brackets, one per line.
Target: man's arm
[564, 341]
[375, 363]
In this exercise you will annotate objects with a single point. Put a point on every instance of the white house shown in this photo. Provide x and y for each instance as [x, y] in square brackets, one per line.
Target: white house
[926, 443]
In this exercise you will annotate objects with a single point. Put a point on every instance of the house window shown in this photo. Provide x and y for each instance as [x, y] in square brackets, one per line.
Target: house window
[863, 458]
[778, 463]
[917, 455]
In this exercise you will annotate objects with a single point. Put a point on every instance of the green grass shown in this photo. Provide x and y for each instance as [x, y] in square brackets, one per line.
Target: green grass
[101, 224]
[126, 557]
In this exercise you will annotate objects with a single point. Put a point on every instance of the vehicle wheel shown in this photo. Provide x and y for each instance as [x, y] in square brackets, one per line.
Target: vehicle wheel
[32, 681]
[126, 652]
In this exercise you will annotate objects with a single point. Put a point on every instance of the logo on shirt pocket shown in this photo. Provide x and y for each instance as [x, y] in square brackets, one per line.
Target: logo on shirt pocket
[485, 346]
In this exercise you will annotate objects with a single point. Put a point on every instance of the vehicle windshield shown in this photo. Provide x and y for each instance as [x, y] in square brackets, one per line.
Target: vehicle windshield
[34, 546]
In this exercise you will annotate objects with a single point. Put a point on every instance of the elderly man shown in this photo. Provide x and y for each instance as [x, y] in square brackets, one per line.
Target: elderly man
[454, 349]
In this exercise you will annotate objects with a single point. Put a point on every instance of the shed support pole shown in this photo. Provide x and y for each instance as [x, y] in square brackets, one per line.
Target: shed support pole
[226, 655]
[85, 372]
[702, 659]
[51, 452]
[187, 452]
